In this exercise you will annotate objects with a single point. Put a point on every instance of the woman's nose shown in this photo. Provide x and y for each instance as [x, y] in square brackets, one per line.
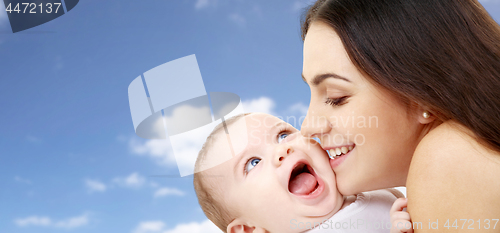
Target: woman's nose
[281, 152]
[314, 124]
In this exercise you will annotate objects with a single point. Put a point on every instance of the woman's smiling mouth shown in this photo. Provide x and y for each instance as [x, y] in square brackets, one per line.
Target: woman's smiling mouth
[339, 151]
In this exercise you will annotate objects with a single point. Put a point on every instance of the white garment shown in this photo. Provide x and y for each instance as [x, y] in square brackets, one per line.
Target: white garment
[369, 213]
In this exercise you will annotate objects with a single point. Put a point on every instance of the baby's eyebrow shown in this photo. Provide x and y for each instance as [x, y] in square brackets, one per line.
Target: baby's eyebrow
[284, 125]
[236, 167]
[279, 124]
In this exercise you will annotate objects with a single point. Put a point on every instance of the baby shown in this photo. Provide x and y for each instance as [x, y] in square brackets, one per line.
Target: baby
[281, 182]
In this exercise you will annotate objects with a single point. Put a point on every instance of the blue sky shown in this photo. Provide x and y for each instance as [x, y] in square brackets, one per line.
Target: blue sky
[70, 160]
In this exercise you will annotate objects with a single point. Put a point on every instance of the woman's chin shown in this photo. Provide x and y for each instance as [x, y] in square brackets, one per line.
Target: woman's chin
[347, 188]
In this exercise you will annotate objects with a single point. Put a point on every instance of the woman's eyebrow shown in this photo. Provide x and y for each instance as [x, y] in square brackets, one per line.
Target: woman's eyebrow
[319, 78]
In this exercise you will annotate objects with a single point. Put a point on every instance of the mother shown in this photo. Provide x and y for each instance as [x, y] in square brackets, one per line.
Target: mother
[413, 86]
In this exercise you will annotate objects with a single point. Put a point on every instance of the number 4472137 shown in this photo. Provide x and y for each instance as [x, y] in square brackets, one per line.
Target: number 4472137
[32, 8]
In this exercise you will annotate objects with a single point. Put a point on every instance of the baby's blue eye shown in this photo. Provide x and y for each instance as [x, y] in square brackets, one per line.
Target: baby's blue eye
[251, 164]
[282, 136]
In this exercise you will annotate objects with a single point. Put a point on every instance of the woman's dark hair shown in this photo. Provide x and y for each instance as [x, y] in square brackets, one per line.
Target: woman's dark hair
[441, 54]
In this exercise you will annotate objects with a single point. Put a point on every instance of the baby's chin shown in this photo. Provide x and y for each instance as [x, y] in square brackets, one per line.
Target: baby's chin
[320, 215]
[325, 209]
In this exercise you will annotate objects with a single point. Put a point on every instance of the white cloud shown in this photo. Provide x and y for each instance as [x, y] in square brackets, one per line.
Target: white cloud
[33, 221]
[168, 191]
[73, 222]
[184, 116]
[299, 5]
[157, 149]
[149, 227]
[186, 145]
[202, 4]
[295, 114]
[58, 64]
[154, 185]
[298, 108]
[262, 104]
[193, 227]
[42, 221]
[237, 19]
[33, 139]
[134, 180]
[257, 11]
[95, 186]
[22, 180]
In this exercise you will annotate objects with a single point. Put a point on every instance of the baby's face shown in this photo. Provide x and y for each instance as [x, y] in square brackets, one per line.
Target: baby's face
[280, 180]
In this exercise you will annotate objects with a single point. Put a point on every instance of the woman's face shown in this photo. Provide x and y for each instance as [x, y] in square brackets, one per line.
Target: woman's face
[378, 132]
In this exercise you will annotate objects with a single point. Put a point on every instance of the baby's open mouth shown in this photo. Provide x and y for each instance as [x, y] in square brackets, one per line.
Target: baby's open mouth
[302, 181]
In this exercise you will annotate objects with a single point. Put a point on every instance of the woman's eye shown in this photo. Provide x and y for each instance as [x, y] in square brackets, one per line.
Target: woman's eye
[251, 164]
[336, 101]
[282, 136]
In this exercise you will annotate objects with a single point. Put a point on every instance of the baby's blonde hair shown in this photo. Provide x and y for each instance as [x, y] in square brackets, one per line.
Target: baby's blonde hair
[209, 194]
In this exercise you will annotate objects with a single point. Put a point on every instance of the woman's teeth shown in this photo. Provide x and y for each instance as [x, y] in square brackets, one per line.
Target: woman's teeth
[339, 151]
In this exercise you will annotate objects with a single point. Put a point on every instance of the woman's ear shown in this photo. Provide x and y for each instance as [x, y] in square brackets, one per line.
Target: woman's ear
[425, 117]
[240, 226]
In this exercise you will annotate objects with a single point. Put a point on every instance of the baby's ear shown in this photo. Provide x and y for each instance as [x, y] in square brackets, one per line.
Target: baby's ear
[240, 226]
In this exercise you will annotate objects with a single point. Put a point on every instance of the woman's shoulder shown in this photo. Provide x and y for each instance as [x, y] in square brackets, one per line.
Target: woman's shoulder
[449, 140]
[451, 148]
[452, 175]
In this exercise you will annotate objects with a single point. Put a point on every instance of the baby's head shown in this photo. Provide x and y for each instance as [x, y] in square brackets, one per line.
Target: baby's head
[279, 180]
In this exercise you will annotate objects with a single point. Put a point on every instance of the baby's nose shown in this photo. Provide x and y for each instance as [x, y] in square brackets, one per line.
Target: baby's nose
[281, 153]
